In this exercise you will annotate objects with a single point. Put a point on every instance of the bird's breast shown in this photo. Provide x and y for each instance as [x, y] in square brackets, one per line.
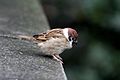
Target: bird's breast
[54, 45]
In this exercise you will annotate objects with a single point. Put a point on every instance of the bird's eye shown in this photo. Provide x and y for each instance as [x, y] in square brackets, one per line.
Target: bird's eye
[70, 38]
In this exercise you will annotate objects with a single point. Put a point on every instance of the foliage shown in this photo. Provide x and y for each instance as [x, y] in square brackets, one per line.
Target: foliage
[97, 56]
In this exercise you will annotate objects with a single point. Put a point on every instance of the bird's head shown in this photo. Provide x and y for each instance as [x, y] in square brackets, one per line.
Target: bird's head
[71, 35]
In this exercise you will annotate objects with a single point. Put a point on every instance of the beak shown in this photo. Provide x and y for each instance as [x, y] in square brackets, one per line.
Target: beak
[74, 43]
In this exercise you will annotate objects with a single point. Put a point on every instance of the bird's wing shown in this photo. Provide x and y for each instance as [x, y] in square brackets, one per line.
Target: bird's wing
[40, 37]
[54, 33]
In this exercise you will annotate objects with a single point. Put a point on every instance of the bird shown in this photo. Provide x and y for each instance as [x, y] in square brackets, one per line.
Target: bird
[53, 42]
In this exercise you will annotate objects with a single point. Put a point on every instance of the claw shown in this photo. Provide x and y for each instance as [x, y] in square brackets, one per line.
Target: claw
[57, 58]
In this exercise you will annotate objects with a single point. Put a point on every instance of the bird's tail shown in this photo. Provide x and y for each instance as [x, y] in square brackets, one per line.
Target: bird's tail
[24, 37]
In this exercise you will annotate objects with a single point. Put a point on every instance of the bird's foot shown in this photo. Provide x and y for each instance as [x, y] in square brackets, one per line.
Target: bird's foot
[57, 58]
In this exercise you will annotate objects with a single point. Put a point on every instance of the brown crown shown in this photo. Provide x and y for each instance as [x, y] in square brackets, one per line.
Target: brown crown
[73, 33]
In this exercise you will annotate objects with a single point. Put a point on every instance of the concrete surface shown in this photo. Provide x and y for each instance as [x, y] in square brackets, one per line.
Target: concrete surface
[20, 59]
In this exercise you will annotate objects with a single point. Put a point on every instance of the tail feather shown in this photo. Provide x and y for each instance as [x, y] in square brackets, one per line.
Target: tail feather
[23, 37]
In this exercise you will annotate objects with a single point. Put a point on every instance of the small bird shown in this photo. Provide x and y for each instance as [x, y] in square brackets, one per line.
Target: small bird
[53, 42]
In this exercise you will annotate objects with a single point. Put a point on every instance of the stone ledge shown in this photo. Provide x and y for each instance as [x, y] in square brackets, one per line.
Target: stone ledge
[20, 59]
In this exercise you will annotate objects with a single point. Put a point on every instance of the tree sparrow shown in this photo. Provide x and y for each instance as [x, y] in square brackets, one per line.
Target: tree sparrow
[54, 41]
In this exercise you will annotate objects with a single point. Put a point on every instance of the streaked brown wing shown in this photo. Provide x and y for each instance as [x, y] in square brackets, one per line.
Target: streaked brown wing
[40, 37]
[54, 33]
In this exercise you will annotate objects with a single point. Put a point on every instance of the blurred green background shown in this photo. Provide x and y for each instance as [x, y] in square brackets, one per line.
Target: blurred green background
[97, 55]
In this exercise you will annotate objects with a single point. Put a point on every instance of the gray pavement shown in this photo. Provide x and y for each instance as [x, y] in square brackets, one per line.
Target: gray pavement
[21, 59]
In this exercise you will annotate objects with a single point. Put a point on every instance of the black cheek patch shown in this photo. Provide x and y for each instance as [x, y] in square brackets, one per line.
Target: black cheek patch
[74, 43]
[69, 38]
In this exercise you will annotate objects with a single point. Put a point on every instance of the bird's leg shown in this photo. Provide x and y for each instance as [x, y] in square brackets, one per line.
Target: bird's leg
[58, 58]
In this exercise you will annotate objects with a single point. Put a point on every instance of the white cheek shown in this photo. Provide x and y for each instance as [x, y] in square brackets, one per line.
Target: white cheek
[65, 32]
[70, 44]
